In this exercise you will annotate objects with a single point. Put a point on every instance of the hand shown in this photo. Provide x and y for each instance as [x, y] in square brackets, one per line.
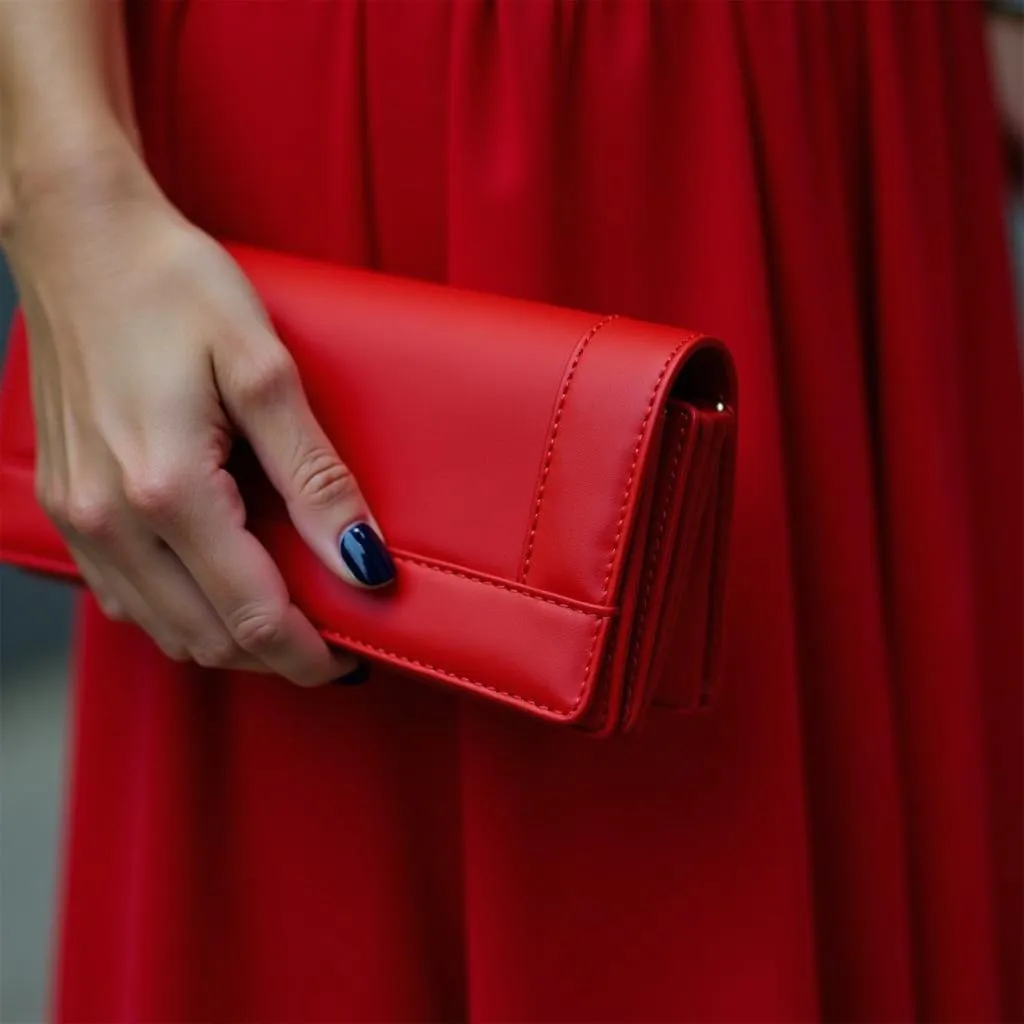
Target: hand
[149, 353]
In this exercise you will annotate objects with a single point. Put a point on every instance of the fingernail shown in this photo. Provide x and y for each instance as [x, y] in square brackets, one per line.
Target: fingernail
[365, 555]
[358, 675]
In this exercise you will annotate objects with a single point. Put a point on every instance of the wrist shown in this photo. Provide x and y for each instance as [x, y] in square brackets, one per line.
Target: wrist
[49, 184]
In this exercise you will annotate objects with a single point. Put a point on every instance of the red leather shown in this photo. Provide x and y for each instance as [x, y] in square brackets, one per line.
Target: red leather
[555, 487]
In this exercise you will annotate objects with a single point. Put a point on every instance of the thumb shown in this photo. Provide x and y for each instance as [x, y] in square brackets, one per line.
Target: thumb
[266, 401]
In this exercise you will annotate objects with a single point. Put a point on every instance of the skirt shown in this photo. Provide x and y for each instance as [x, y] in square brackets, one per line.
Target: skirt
[820, 185]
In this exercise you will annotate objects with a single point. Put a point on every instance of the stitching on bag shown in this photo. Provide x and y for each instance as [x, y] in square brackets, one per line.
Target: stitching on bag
[653, 566]
[606, 704]
[581, 347]
[608, 574]
[341, 638]
[511, 588]
[636, 458]
[598, 617]
[351, 641]
[620, 525]
[586, 669]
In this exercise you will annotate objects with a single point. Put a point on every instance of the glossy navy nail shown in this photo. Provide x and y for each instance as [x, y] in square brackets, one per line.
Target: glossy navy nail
[365, 555]
[358, 675]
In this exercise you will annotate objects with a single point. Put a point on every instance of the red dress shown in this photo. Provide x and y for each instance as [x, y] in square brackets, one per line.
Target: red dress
[840, 838]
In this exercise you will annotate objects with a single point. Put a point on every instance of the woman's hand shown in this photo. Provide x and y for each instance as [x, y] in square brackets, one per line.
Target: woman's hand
[149, 354]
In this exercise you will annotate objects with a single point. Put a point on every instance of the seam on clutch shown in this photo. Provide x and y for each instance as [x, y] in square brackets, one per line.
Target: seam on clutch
[581, 347]
[352, 641]
[620, 526]
[652, 568]
[512, 588]
[24, 469]
[608, 575]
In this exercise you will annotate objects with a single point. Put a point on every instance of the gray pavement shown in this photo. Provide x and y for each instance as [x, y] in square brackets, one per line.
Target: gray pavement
[34, 617]
[34, 632]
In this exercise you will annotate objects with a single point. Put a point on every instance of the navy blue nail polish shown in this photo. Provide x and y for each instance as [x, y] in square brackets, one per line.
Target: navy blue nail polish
[365, 555]
[358, 675]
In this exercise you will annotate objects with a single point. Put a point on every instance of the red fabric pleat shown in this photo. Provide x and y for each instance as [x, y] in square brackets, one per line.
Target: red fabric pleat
[992, 424]
[840, 837]
[929, 542]
[845, 681]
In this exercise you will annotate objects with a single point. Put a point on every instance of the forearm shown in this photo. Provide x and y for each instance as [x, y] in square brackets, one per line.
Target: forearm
[66, 119]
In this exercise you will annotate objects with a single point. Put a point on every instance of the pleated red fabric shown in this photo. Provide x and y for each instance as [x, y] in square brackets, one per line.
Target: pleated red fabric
[840, 837]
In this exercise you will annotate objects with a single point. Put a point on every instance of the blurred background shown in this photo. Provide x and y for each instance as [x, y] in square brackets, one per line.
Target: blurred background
[35, 627]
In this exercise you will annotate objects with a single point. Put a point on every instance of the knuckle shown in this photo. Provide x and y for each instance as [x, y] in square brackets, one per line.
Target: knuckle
[112, 608]
[174, 649]
[50, 503]
[219, 652]
[323, 481]
[258, 628]
[92, 515]
[155, 496]
[267, 379]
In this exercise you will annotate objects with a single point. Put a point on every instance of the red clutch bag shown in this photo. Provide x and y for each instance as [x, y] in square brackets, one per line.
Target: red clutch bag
[555, 488]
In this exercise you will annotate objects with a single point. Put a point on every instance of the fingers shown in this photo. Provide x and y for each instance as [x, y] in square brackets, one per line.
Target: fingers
[103, 589]
[173, 611]
[203, 520]
[125, 425]
[136, 578]
[175, 597]
[264, 396]
[225, 607]
[119, 600]
[133, 576]
[175, 605]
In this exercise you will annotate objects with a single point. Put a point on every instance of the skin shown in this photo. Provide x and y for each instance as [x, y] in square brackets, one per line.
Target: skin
[1006, 50]
[150, 353]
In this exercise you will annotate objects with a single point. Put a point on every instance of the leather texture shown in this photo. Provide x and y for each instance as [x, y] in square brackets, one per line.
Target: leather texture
[554, 485]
